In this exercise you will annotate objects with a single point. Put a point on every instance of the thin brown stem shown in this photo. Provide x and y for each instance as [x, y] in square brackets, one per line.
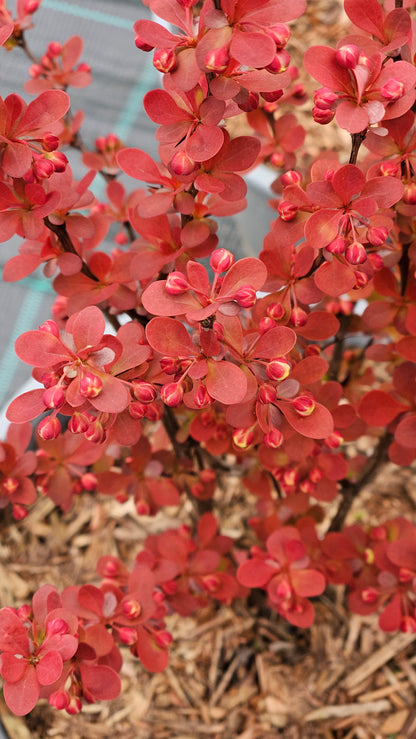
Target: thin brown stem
[356, 141]
[351, 489]
[336, 359]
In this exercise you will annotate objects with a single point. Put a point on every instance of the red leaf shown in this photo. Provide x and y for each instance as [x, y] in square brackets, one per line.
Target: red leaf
[254, 573]
[41, 349]
[226, 382]
[26, 406]
[368, 16]
[170, 337]
[152, 657]
[275, 343]
[101, 682]
[307, 583]
[88, 327]
[405, 434]
[319, 326]
[248, 271]
[252, 49]
[13, 635]
[139, 165]
[378, 408]
[318, 425]
[158, 302]
[21, 697]
[335, 278]
[49, 668]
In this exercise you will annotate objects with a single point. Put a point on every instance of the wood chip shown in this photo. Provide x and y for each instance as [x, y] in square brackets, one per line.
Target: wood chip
[397, 644]
[348, 709]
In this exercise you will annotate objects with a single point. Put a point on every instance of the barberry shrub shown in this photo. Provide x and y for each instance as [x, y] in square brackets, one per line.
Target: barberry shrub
[169, 364]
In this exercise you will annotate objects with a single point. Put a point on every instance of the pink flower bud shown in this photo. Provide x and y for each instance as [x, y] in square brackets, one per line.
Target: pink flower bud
[19, 512]
[53, 397]
[59, 699]
[49, 428]
[245, 296]
[376, 261]
[83, 67]
[59, 160]
[42, 169]
[54, 48]
[154, 412]
[334, 441]
[181, 164]
[265, 324]
[284, 590]
[409, 195]
[127, 635]
[95, 432]
[273, 439]
[304, 405]
[290, 478]
[280, 33]
[75, 705]
[322, 116]
[328, 175]
[243, 438]
[361, 279]
[50, 327]
[324, 98]
[369, 595]
[131, 608]
[272, 97]
[176, 284]
[144, 391]
[337, 246]
[89, 481]
[287, 211]
[291, 177]
[389, 169]
[280, 62]
[298, 317]
[172, 394]
[217, 60]
[347, 56]
[377, 235]
[164, 60]
[57, 626]
[221, 260]
[78, 423]
[408, 625]
[278, 368]
[90, 386]
[163, 639]
[276, 311]
[35, 70]
[277, 159]
[202, 398]
[31, 6]
[266, 393]
[137, 410]
[355, 253]
[10, 485]
[142, 508]
[392, 90]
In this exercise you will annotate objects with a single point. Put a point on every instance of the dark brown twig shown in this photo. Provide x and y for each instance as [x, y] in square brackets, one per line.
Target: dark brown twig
[351, 490]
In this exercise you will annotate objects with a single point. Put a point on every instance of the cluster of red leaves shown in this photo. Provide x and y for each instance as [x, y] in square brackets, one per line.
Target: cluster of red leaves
[269, 364]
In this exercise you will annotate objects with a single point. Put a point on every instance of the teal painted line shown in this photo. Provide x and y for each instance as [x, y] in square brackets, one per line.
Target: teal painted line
[25, 320]
[88, 14]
